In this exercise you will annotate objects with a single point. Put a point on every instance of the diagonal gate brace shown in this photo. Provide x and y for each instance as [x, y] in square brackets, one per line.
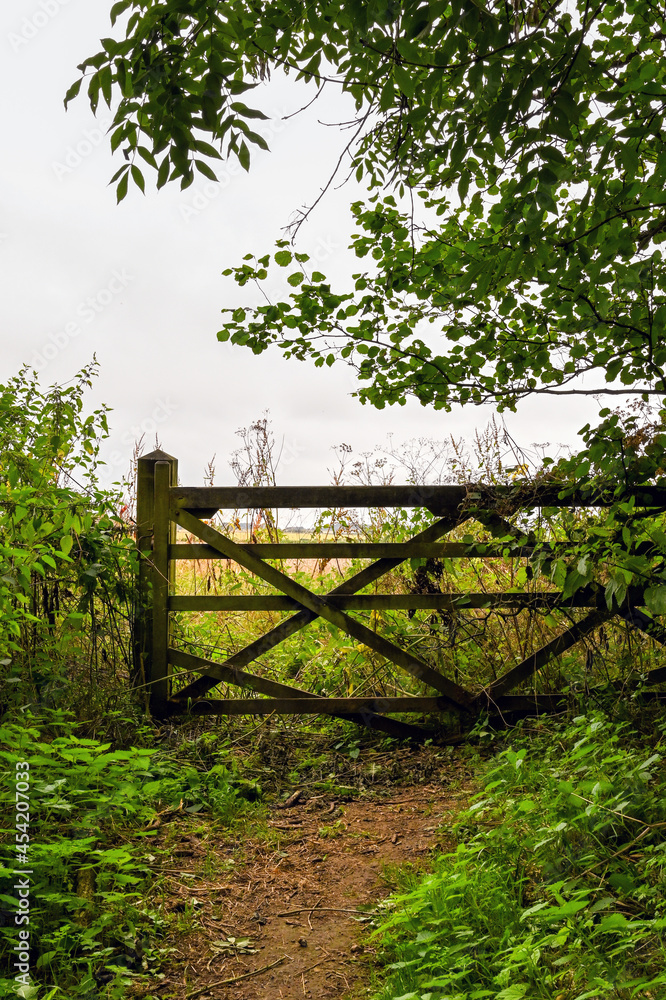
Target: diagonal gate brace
[274, 689]
[286, 628]
[537, 660]
[317, 606]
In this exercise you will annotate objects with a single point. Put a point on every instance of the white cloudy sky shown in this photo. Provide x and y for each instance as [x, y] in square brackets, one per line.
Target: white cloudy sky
[140, 284]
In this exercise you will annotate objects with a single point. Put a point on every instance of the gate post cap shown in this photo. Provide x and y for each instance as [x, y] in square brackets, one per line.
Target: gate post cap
[157, 456]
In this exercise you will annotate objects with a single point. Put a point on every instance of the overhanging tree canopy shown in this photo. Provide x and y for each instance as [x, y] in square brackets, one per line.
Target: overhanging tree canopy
[524, 146]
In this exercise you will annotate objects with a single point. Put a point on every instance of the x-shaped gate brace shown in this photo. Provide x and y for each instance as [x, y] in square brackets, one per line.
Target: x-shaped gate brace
[452, 696]
[172, 506]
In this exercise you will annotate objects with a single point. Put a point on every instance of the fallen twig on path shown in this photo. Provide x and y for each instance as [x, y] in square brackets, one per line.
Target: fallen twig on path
[295, 799]
[329, 958]
[311, 912]
[232, 982]
[328, 909]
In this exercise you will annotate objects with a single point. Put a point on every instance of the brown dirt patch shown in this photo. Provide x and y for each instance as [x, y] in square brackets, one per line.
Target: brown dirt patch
[290, 894]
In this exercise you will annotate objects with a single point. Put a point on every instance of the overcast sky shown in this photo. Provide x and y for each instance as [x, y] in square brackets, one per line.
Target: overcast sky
[140, 284]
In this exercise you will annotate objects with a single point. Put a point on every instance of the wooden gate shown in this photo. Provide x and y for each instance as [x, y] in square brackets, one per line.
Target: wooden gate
[163, 506]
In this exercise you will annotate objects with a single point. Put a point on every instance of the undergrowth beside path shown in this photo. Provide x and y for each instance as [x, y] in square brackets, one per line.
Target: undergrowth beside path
[557, 886]
[269, 863]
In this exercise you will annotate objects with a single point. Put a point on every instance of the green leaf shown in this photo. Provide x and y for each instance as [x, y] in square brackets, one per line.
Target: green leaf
[146, 155]
[655, 599]
[203, 168]
[246, 112]
[244, 156]
[163, 172]
[73, 91]
[66, 543]
[515, 992]
[138, 179]
[106, 83]
[613, 922]
[121, 190]
[404, 79]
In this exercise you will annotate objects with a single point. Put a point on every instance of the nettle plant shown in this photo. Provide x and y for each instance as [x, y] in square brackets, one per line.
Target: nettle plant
[95, 923]
[556, 888]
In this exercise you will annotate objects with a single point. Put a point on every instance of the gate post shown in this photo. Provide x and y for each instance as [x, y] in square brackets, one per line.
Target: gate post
[155, 473]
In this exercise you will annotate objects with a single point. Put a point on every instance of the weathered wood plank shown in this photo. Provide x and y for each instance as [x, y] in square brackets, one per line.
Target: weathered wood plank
[344, 707]
[315, 706]
[231, 675]
[528, 703]
[285, 497]
[317, 604]
[360, 550]
[292, 625]
[335, 706]
[537, 660]
[159, 668]
[634, 616]
[145, 503]
[656, 676]
[443, 499]
[311, 705]
[385, 602]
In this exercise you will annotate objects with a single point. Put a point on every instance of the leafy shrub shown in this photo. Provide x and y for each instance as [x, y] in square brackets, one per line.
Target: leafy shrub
[66, 582]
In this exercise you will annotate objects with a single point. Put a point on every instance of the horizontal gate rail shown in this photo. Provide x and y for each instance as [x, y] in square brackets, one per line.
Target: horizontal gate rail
[383, 550]
[361, 550]
[444, 499]
[162, 507]
[385, 602]
[349, 706]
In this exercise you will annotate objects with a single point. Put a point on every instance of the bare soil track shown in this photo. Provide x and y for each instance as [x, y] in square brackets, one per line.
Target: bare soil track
[283, 921]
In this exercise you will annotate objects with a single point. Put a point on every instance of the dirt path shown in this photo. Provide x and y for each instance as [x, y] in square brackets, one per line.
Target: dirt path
[286, 901]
